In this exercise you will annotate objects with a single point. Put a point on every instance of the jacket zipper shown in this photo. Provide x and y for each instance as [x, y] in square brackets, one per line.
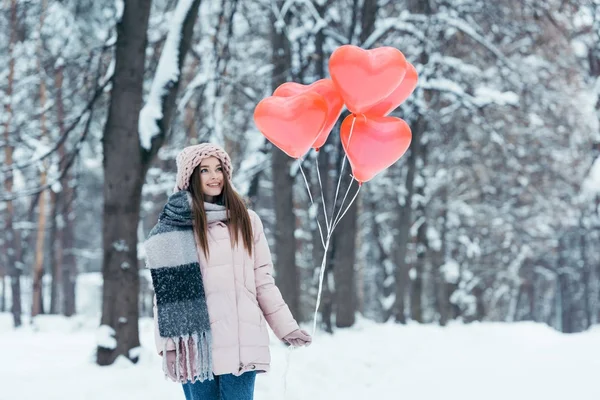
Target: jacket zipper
[237, 305]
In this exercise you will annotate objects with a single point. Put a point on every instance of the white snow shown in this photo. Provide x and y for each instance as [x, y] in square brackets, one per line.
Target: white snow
[136, 352]
[388, 302]
[591, 184]
[580, 48]
[119, 8]
[451, 271]
[518, 361]
[121, 245]
[106, 337]
[166, 71]
[443, 85]
[486, 95]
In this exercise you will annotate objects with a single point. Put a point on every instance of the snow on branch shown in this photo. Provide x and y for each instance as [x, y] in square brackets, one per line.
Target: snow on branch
[591, 184]
[280, 14]
[199, 80]
[447, 86]
[486, 95]
[336, 36]
[167, 74]
[54, 181]
[397, 24]
[410, 24]
[49, 150]
[468, 30]
[483, 95]
[456, 64]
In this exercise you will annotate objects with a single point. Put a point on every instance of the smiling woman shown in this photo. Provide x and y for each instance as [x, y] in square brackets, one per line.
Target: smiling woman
[213, 278]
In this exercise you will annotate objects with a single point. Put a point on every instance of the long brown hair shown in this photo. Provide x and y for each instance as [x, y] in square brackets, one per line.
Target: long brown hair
[239, 219]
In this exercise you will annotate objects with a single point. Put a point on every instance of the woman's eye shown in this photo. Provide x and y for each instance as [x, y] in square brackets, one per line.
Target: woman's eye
[203, 170]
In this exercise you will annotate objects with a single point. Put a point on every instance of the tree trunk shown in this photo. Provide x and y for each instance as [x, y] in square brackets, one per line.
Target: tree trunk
[3, 295]
[344, 239]
[416, 300]
[54, 245]
[318, 251]
[405, 213]
[403, 224]
[563, 279]
[59, 208]
[125, 165]
[123, 180]
[566, 309]
[11, 234]
[283, 184]
[324, 168]
[344, 250]
[69, 274]
[65, 254]
[585, 275]
[66, 237]
[38, 271]
[422, 248]
[442, 292]
[344, 244]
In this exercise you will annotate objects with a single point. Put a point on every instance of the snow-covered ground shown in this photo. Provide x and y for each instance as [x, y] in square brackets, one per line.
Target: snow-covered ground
[487, 361]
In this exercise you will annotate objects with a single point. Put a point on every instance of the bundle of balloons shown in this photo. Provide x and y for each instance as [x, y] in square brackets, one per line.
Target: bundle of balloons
[371, 84]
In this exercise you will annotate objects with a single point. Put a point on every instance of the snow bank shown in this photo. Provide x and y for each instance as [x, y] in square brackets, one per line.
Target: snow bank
[466, 362]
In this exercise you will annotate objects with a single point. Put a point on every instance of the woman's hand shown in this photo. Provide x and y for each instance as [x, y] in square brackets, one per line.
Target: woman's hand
[171, 359]
[298, 338]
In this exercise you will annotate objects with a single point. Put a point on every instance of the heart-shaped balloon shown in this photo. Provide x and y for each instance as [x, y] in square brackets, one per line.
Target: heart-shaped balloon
[365, 77]
[375, 144]
[325, 88]
[292, 123]
[398, 96]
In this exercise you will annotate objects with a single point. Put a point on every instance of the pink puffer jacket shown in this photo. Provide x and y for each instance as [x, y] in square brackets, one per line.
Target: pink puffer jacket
[240, 295]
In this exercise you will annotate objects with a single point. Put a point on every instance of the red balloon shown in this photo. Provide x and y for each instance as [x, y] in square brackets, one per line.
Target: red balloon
[365, 77]
[325, 88]
[376, 143]
[398, 96]
[292, 123]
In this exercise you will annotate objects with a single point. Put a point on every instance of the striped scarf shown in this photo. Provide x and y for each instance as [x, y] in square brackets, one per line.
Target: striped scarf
[177, 279]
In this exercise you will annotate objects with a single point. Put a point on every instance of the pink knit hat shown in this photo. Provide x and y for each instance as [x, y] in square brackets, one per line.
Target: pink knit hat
[190, 157]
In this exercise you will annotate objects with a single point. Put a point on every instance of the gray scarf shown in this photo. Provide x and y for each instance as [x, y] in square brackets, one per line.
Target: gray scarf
[182, 312]
[215, 212]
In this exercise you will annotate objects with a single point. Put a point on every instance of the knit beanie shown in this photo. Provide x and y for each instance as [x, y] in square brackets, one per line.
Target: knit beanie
[190, 157]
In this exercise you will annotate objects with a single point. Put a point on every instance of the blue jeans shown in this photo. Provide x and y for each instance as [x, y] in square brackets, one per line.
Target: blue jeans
[222, 387]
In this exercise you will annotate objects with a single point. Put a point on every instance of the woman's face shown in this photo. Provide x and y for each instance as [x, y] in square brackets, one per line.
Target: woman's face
[211, 178]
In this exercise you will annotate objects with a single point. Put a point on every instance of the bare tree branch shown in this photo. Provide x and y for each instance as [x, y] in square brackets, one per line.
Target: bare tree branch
[87, 109]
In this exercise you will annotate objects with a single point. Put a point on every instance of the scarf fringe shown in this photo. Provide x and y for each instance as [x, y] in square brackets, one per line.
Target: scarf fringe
[197, 347]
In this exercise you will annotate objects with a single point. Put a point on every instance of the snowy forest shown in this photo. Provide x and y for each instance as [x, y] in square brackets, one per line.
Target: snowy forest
[492, 215]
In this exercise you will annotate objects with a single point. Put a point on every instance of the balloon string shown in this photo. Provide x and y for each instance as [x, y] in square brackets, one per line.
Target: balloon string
[337, 217]
[337, 190]
[321, 276]
[285, 372]
[322, 269]
[332, 227]
[311, 200]
[322, 195]
[348, 207]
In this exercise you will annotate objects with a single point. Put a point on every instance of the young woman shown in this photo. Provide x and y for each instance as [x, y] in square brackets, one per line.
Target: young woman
[213, 280]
